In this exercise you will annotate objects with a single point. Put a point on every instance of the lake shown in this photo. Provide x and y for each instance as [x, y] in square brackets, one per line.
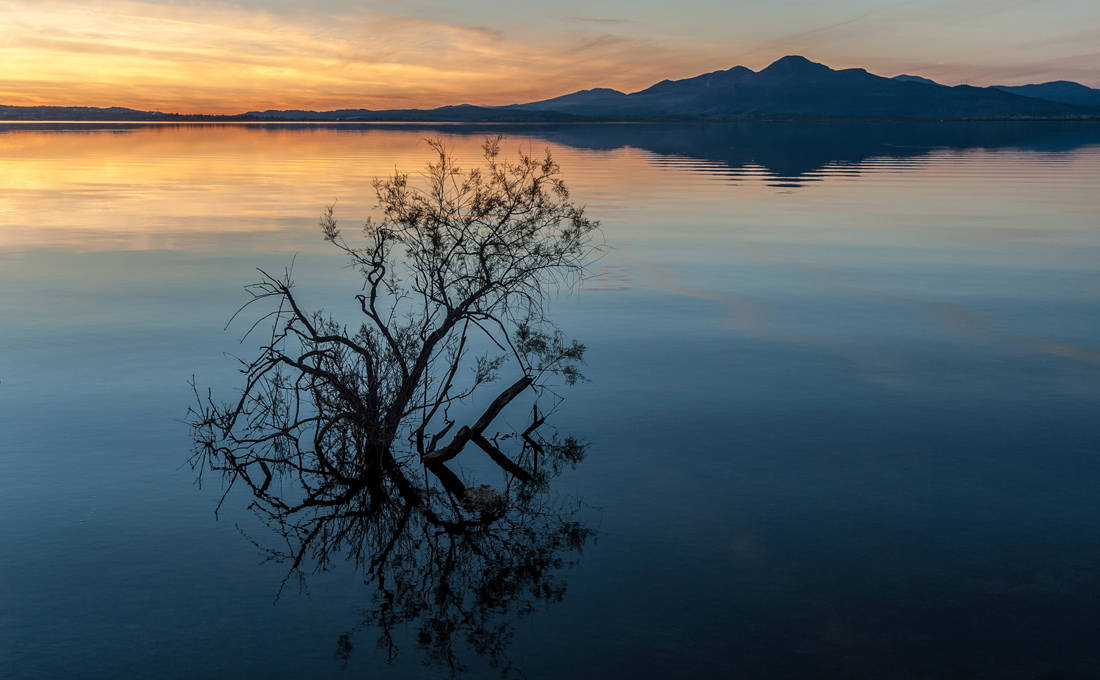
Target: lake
[843, 415]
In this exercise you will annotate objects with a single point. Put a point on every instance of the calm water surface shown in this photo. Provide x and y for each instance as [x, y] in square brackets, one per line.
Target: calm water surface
[844, 409]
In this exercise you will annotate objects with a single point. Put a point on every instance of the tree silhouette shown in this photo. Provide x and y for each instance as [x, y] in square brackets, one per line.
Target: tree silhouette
[345, 435]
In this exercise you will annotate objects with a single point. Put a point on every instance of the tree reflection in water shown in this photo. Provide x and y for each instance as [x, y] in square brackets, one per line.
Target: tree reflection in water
[466, 581]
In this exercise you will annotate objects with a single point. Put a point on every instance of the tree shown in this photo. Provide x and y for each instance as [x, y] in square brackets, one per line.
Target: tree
[358, 423]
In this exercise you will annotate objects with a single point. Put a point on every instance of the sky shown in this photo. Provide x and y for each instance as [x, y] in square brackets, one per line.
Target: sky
[217, 56]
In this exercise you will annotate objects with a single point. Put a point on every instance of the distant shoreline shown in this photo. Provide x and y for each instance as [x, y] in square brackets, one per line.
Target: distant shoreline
[444, 123]
[791, 89]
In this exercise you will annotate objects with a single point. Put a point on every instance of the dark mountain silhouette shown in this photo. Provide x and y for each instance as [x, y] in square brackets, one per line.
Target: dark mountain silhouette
[795, 88]
[1061, 91]
[461, 112]
[905, 78]
[792, 88]
[1064, 91]
[577, 101]
[31, 113]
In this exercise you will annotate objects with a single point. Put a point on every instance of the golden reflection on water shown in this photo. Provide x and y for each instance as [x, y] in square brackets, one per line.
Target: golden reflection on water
[253, 187]
[187, 186]
[162, 187]
[917, 232]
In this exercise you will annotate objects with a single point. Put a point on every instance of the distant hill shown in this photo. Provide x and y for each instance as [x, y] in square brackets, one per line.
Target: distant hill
[914, 79]
[792, 88]
[1063, 91]
[463, 113]
[578, 101]
[460, 113]
[89, 113]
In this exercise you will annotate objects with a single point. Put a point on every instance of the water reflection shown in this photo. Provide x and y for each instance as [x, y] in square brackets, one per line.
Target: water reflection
[119, 175]
[210, 187]
[792, 154]
[459, 584]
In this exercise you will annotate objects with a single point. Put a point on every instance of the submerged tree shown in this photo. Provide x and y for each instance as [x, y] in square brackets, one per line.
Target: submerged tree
[345, 435]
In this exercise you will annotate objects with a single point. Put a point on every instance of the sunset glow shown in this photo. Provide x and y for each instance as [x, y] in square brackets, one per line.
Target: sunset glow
[217, 57]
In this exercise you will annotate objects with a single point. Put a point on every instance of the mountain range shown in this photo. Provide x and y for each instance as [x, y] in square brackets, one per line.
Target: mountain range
[1062, 91]
[792, 88]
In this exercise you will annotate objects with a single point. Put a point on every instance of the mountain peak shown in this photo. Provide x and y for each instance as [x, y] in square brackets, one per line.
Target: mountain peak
[794, 63]
[906, 78]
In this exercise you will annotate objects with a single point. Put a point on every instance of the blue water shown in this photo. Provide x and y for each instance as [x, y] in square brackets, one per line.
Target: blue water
[843, 412]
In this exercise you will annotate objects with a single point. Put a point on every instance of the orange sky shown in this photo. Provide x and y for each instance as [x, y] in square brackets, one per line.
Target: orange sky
[221, 57]
[226, 60]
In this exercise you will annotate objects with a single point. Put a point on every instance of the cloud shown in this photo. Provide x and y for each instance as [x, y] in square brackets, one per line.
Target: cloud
[222, 57]
[203, 57]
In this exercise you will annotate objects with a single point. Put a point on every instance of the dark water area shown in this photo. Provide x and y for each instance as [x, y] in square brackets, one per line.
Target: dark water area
[842, 419]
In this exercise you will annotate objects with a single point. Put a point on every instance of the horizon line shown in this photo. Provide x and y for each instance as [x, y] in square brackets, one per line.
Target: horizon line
[163, 112]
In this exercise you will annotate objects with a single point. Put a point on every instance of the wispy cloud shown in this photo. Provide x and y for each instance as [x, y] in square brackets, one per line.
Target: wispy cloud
[228, 59]
[222, 56]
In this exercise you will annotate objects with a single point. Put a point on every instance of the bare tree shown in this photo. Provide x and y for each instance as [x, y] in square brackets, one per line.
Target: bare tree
[344, 434]
[475, 252]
